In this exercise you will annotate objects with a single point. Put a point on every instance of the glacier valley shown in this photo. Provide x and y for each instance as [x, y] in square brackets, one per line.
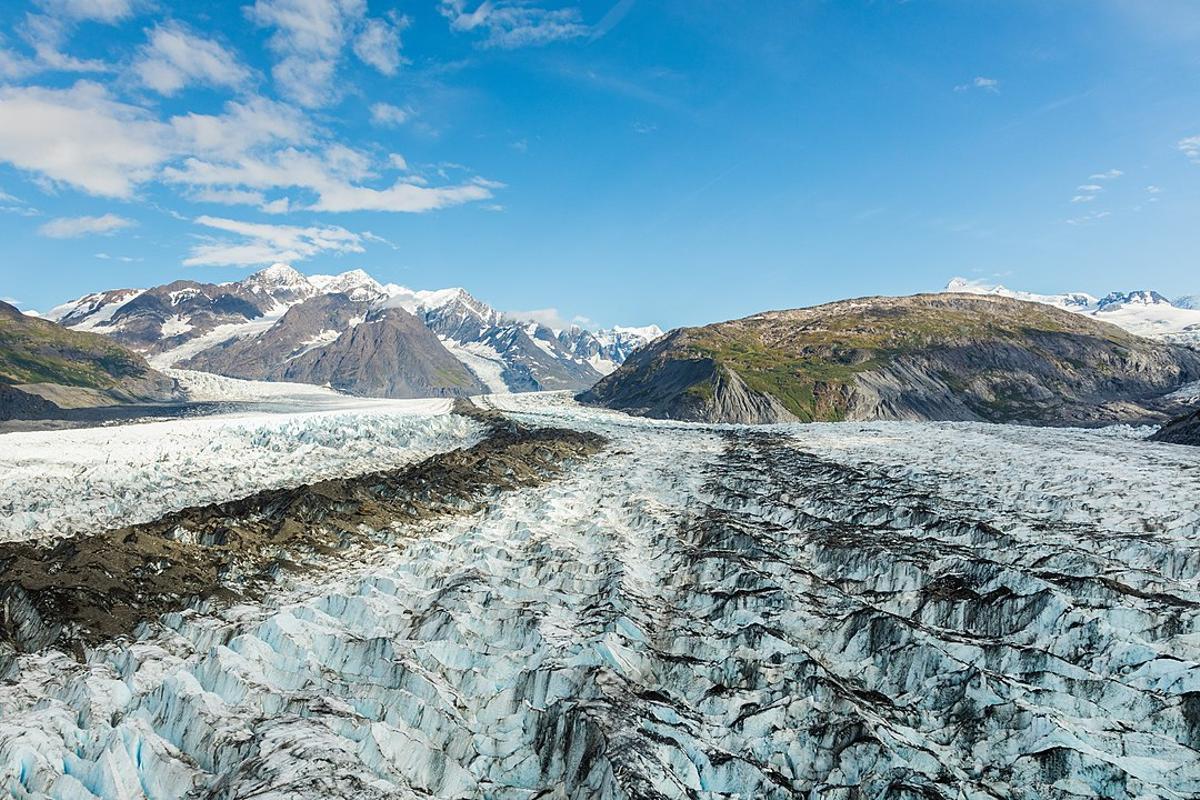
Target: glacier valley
[835, 611]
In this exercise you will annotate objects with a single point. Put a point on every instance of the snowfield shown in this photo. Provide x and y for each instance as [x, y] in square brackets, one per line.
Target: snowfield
[885, 610]
[55, 483]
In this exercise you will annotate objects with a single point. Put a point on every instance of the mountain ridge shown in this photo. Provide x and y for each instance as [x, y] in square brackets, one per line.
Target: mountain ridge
[1141, 311]
[923, 357]
[227, 328]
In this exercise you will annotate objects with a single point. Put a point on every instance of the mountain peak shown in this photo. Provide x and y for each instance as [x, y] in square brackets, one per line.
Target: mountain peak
[279, 274]
[355, 282]
[1140, 297]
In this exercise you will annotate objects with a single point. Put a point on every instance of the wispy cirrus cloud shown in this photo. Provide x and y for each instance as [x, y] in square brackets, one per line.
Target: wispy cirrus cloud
[981, 83]
[72, 227]
[390, 116]
[107, 11]
[1090, 218]
[260, 243]
[1190, 147]
[511, 23]
[378, 44]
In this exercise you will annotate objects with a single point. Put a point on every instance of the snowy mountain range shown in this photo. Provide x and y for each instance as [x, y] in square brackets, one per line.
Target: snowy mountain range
[351, 332]
[1142, 312]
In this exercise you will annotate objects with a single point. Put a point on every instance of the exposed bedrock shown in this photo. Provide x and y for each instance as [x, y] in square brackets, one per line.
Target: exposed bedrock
[1181, 430]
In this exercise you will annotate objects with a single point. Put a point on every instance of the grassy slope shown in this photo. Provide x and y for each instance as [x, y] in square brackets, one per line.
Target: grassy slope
[38, 351]
[806, 358]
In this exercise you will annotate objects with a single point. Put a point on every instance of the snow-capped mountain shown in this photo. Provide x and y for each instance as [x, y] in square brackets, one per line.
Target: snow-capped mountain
[1143, 312]
[279, 324]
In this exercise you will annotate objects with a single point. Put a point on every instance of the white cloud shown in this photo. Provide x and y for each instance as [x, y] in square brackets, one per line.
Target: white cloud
[107, 257]
[13, 65]
[263, 244]
[230, 197]
[1083, 198]
[333, 176]
[1190, 147]
[308, 39]
[47, 35]
[1109, 175]
[378, 44]
[71, 227]
[389, 115]
[108, 11]
[310, 36]
[512, 23]
[397, 161]
[1090, 187]
[986, 84]
[80, 136]
[1153, 189]
[244, 126]
[400, 196]
[550, 317]
[173, 58]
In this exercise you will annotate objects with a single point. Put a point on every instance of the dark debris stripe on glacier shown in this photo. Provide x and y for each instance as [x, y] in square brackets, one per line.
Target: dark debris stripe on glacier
[692, 613]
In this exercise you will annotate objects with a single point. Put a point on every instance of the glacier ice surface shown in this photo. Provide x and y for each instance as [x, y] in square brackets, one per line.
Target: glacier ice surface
[888, 610]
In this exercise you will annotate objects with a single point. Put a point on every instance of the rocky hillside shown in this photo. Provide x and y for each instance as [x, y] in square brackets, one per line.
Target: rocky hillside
[257, 327]
[925, 357]
[1181, 430]
[380, 353]
[44, 366]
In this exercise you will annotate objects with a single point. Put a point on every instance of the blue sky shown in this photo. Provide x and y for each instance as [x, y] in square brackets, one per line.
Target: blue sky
[620, 161]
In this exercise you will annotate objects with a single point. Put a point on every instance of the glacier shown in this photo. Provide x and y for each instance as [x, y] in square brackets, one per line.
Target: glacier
[54, 483]
[842, 611]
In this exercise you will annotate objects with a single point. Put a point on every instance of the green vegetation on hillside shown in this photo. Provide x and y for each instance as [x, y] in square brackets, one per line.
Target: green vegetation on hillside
[38, 351]
[807, 364]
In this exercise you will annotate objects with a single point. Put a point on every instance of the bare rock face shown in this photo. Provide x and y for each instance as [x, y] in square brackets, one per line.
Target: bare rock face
[925, 357]
[390, 354]
[1181, 430]
[16, 404]
[335, 340]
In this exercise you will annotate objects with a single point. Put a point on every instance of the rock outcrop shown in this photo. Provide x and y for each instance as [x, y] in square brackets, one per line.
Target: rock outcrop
[925, 357]
[1181, 430]
[335, 341]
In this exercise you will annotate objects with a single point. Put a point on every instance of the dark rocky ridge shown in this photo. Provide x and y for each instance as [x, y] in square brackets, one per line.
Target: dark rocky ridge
[85, 588]
[1181, 430]
[925, 357]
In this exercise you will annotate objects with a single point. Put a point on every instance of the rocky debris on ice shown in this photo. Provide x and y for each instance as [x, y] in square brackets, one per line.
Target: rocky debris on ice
[99, 585]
